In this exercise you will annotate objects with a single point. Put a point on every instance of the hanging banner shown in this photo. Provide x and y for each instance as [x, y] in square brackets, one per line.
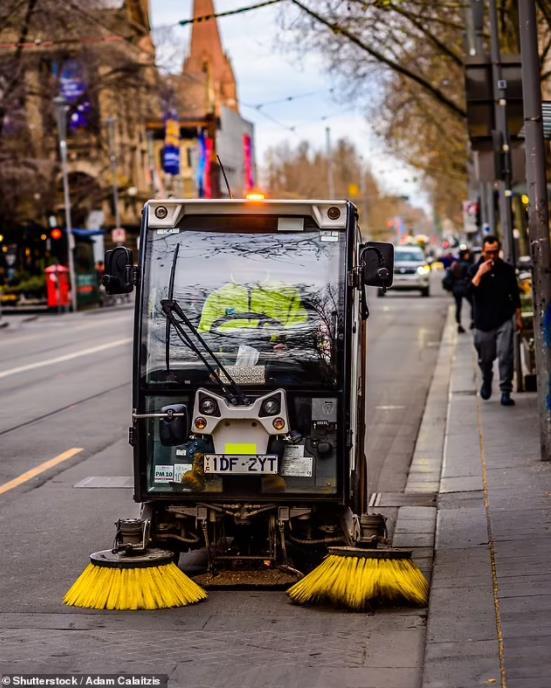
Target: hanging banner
[171, 160]
[72, 87]
[203, 176]
[248, 160]
[71, 81]
[171, 151]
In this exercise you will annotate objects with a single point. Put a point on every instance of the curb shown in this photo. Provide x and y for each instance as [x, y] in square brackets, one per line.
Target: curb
[416, 525]
[461, 647]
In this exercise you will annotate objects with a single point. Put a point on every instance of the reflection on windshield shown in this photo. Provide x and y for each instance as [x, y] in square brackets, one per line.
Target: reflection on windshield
[268, 305]
[409, 256]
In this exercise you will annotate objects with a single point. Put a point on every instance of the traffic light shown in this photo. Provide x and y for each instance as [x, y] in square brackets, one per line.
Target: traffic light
[56, 234]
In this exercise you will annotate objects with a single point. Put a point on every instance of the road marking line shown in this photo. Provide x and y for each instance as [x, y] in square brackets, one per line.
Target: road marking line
[35, 336]
[66, 357]
[37, 470]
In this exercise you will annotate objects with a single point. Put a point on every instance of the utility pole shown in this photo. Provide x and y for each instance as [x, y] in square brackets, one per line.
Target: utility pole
[538, 215]
[111, 124]
[329, 154]
[502, 146]
[474, 22]
[61, 112]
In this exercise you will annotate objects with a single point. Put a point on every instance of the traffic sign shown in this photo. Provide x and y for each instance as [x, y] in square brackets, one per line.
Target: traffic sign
[118, 235]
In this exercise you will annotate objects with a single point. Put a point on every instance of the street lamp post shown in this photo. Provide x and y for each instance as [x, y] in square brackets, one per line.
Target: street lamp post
[538, 223]
[61, 112]
[111, 122]
[502, 142]
[330, 174]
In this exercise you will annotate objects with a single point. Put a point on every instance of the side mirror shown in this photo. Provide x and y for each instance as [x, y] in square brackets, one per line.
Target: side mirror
[174, 429]
[377, 264]
[119, 271]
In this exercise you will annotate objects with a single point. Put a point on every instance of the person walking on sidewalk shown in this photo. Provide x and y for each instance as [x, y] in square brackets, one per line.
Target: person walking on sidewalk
[496, 307]
[456, 280]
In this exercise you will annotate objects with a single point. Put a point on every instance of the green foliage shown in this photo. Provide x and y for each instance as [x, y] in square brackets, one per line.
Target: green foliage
[31, 285]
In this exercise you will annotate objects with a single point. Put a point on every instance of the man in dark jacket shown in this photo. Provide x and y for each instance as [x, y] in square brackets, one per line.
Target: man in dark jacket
[496, 306]
[456, 280]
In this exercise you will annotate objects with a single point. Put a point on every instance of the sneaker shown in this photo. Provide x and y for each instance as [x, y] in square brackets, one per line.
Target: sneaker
[486, 390]
[460, 329]
[506, 399]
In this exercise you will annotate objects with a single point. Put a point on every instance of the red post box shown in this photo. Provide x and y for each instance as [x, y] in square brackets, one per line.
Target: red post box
[57, 286]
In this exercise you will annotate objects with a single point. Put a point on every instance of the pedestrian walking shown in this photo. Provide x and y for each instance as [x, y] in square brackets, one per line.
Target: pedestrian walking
[456, 280]
[496, 309]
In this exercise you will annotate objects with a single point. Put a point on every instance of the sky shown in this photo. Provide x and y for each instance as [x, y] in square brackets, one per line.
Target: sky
[266, 72]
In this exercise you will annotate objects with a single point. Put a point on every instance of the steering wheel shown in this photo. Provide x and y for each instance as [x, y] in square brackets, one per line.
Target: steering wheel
[264, 321]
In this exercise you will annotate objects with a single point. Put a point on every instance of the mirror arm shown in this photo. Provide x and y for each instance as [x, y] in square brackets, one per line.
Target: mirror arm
[133, 274]
[168, 415]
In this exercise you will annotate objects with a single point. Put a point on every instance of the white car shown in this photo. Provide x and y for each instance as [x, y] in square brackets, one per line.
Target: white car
[411, 271]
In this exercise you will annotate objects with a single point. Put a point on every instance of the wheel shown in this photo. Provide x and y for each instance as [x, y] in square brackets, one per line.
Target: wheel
[425, 292]
[380, 292]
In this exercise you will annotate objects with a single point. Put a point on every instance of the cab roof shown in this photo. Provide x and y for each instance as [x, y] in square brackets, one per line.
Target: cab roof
[165, 213]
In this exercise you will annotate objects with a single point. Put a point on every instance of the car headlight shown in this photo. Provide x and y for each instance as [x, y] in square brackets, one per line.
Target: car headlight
[209, 407]
[423, 269]
[270, 407]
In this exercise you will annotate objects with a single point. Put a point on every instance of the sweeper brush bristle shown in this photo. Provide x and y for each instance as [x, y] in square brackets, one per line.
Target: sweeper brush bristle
[130, 588]
[355, 581]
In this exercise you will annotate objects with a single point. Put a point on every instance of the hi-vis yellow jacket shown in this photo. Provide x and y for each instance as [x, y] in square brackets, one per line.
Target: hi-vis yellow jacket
[234, 307]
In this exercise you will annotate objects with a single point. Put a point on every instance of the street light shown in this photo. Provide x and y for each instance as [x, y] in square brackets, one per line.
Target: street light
[61, 112]
[111, 123]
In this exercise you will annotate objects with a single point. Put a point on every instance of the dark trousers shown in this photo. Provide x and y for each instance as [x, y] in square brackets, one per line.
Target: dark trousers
[458, 296]
[496, 344]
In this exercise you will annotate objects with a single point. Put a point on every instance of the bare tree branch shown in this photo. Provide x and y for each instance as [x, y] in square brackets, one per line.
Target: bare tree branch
[436, 93]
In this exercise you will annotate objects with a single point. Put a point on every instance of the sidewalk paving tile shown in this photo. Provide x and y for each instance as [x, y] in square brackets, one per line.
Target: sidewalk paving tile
[462, 641]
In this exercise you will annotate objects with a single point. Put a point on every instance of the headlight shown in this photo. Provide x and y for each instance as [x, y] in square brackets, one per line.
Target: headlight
[270, 407]
[200, 423]
[209, 407]
[423, 269]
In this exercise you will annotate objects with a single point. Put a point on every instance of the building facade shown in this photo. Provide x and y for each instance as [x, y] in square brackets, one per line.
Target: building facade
[99, 57]
[203, 105]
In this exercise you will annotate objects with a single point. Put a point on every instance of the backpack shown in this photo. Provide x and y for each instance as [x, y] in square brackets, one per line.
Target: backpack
[448, 280]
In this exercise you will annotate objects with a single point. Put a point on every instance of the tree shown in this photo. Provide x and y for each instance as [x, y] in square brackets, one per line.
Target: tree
[404, 59]
[38, 38]
[302, 172]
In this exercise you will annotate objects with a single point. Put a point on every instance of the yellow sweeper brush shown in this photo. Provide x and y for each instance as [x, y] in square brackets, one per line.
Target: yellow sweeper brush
[149, 580]
[354, 578]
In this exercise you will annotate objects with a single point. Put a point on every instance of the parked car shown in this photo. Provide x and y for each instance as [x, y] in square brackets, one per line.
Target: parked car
[411, 271]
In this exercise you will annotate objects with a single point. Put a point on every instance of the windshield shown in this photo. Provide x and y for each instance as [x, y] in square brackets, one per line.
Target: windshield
[268, 304]
[410, 255]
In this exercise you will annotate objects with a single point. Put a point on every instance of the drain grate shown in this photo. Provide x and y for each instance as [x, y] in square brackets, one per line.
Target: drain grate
[94, 481]
[403, 499]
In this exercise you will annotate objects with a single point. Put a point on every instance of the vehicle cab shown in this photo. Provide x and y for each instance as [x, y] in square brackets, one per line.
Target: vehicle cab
[248, 388]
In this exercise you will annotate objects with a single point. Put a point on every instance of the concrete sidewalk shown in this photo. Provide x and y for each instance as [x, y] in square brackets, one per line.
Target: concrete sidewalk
[489, 617]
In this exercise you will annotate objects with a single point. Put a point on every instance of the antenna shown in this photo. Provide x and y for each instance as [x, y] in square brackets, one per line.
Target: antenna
[224, 174]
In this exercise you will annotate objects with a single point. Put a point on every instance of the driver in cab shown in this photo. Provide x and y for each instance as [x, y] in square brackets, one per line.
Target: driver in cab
[236, 306]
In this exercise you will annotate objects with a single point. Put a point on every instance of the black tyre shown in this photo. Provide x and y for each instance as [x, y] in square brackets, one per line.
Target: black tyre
[425, 292]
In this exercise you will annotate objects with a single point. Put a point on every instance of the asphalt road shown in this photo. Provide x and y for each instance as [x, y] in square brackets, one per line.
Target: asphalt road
[65, 391]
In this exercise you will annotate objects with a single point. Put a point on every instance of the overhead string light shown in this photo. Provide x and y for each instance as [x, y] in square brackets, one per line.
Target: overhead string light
[288, 99]
[227, 13]
[293, 127]
[40, 43]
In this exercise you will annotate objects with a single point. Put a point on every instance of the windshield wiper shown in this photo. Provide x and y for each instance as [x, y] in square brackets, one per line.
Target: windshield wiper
[170, 298]
[171, 309]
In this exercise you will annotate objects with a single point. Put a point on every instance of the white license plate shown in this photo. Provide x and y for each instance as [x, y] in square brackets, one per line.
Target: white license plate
[263, 464]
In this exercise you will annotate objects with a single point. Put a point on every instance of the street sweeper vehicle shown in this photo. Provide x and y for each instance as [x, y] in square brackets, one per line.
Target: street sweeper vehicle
[248, 408]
